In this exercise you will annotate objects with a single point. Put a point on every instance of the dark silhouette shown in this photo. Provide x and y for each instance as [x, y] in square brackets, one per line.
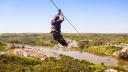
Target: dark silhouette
[56, 28]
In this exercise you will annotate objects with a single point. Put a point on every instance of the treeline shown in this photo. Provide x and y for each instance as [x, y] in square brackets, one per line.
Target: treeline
[44, 39]
[33, 38]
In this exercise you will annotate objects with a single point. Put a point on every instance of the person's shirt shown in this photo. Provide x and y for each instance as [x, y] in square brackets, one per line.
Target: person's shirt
[56, 24]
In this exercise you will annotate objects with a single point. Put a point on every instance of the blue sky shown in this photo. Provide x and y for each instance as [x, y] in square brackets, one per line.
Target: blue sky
[91, 16]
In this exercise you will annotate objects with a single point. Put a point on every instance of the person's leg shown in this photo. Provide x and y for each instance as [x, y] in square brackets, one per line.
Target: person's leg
[55, 36]
[58, 37]
[62, 41]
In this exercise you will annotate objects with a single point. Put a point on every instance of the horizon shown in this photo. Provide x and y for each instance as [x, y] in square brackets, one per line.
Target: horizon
[63, 33]
[88, 16]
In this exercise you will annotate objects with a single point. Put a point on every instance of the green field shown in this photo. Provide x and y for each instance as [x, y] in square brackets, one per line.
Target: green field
[17, 63]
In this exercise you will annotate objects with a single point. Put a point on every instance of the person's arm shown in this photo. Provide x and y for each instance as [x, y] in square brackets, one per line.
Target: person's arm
[61, 16]
[59, 11]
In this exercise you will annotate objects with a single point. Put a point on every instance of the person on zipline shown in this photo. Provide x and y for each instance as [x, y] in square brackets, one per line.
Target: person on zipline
[56, 28]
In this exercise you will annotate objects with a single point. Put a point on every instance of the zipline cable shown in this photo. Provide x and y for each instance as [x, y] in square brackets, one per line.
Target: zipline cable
[54, 4]
[65, 17]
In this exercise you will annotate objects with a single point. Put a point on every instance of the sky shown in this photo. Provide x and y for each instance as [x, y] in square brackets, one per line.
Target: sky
[88, 16]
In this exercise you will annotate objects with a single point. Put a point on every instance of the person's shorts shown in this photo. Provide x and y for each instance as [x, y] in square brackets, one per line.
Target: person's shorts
[58, 37]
